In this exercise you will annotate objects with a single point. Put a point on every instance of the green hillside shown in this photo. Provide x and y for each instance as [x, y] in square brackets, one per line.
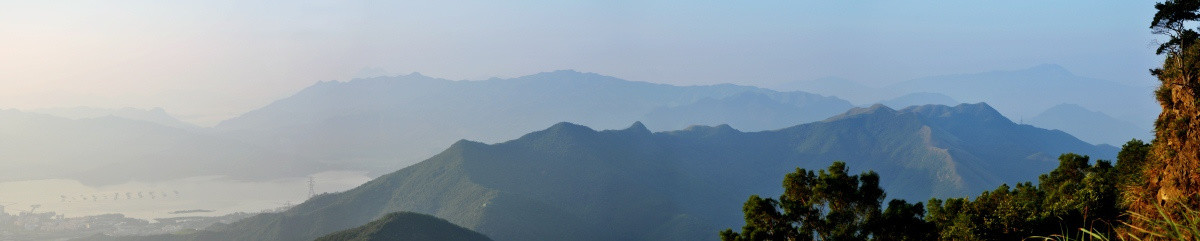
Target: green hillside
[406, 226]
[569, 182]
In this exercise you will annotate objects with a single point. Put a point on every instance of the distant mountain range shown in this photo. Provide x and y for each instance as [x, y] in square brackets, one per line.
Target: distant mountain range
[386, 123]
[920, 98]
[377, 125]
[1019, 94]
[1089, 125]
[1030, 91]
[849, 90]
[154, 115]
[570, 182]
[752, 111]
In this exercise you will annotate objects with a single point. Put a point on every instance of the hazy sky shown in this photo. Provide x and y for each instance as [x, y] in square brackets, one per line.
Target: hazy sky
[206, 61]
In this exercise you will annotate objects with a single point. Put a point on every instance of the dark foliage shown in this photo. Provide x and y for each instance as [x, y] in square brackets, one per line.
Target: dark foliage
[831, 205]
[1075, 195]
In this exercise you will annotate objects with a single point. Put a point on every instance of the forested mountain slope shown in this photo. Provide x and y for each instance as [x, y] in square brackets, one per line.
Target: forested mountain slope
[569, 182]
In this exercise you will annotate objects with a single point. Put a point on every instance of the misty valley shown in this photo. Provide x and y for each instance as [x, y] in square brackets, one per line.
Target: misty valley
[676, 160]
[599, 120]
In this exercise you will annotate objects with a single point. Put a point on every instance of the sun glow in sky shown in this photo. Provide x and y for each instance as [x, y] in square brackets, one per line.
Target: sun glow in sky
[206, 61]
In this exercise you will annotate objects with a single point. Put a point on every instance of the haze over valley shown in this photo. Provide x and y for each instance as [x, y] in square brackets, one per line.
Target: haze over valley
[582, 120]
[345, 133]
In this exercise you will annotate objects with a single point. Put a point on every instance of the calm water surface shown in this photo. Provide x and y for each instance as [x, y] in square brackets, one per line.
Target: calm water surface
[157, 200]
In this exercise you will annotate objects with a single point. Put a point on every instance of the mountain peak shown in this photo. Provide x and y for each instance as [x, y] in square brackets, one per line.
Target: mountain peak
[703, 130]
[568, 128]
[979, 111]
[638, 127]
[980, 108]
[462, 143]
[407, 226]
[875, 109]
[878, 107]
[567, 125]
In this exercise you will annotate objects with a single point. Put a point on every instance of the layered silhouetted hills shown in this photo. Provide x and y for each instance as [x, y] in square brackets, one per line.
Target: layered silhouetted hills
[386, 123]
[570, 182]
[748, 110]
[1030, 91]
[1088, 125]
[376, 124]
[1019, 94]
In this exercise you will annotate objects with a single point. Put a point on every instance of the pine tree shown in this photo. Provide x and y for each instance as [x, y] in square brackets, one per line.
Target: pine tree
[1172, 169]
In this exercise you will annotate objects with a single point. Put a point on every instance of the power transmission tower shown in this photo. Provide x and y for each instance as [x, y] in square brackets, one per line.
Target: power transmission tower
[312, 192]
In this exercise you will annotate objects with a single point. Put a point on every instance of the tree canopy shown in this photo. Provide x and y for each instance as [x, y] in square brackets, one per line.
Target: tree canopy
[833, 205]
[829, 204]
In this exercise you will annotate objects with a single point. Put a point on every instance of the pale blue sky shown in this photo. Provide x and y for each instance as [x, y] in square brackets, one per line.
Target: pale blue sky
[210, 60]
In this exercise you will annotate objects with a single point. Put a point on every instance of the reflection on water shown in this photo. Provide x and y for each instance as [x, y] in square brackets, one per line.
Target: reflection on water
[196, 196]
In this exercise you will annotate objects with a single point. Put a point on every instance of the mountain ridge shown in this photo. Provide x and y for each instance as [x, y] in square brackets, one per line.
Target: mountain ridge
[1097, 127]
[406, 226]
[1019, 93]
[571, 182]
[370, 123]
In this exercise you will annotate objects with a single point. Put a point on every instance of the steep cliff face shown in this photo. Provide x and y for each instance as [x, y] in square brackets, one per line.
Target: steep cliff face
[1173, 171]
